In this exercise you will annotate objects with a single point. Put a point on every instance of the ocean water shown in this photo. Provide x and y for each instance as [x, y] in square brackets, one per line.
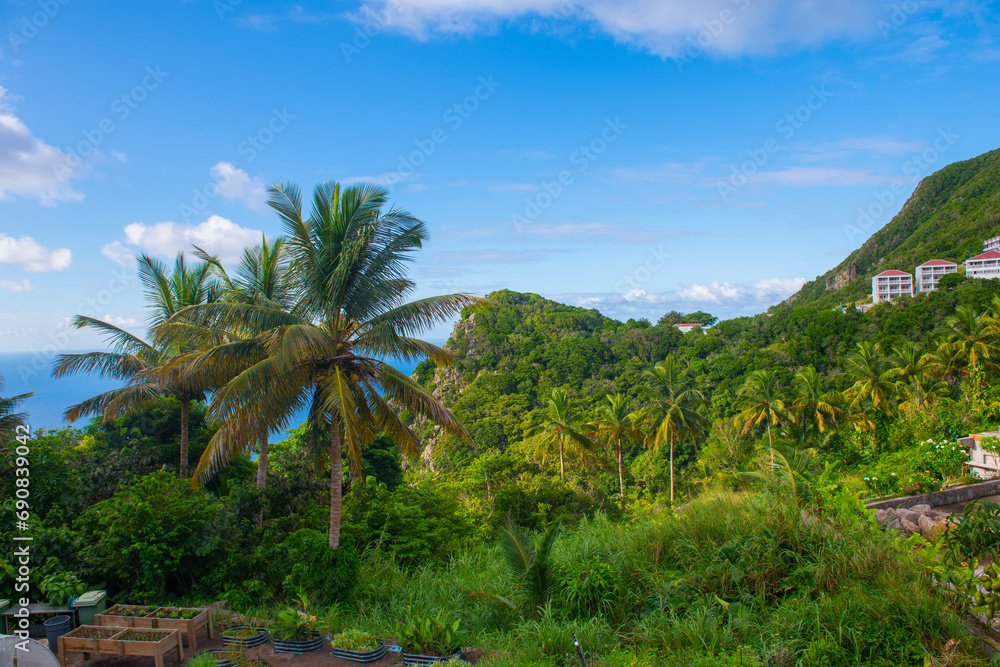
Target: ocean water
[25, 372]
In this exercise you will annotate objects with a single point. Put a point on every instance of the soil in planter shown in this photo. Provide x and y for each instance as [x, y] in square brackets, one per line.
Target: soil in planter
[89, 632]
[142, 636]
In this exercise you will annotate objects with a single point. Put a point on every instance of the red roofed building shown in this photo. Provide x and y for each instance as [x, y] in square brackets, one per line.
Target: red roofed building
[929, 273]
[890, 285]
[986, 265]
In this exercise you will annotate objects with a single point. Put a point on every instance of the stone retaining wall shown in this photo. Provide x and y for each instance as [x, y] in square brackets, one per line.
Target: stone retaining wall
[956, 494]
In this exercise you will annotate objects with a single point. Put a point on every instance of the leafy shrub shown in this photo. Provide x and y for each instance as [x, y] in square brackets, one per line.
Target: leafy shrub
[303, 563]
[155, 537]
[58, 588]
[429, 635]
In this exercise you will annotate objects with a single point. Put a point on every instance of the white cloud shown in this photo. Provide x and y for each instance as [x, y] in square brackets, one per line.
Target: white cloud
[14, 286]
[807, 177]
[514, 187]
[217, 235]
[121, 321]
[119, 253]
[28, 166]
[764, 290]
[665, 27]
[33, 256]
[237, 185]
[386, 179]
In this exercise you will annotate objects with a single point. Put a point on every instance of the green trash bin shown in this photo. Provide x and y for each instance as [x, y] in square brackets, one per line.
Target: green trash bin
[89, 605]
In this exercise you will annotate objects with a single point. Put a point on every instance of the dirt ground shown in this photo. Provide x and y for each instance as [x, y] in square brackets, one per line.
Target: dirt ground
[321, 658]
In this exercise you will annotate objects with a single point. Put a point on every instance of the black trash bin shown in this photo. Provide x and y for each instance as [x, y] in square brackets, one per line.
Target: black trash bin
[55, 628]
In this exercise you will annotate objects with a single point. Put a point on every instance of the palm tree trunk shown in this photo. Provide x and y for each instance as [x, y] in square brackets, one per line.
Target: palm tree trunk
[562, 465]
[262, 445]
[182, 468]
[770, 443]
[671, 468]
[621, 480]
[335, 490]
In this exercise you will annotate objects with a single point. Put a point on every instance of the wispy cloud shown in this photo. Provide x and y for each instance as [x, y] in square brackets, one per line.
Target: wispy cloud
[514, 187]
[16, 286]
[272, 22]
[664, 27]
[806, 177]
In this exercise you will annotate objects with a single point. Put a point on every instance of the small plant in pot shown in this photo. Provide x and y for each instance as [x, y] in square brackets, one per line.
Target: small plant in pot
[294, 631]
[357, 646]
[429, 639]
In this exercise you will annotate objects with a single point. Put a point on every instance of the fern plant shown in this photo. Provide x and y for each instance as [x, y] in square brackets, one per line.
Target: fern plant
[530, 565]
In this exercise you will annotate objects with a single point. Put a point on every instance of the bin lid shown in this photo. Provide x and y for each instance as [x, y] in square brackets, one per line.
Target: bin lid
[89, 599]
[4, 604]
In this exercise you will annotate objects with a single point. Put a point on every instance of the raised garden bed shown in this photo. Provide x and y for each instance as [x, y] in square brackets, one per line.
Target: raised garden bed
[149, 642]
[418, 659]
[125, 616]
[313, 642]
[376, 653]
[244, 636]
[189, 620]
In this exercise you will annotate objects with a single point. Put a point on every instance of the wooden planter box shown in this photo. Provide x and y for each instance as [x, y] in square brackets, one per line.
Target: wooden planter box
[74, 641]
[119, 644]
[187, 626]
[110, 618]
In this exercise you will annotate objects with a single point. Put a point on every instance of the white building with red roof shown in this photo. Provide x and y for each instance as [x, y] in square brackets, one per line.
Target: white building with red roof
[991, 244]
[986, 265]
[890, 285]
[929, 273]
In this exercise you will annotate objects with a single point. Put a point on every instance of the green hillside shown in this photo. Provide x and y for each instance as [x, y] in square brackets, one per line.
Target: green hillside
[949, 215]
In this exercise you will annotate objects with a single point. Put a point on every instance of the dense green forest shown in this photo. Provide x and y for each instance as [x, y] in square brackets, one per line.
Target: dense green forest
[686, 497]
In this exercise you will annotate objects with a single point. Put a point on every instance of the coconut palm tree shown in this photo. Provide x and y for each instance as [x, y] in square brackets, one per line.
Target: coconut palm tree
[262, 278]
[874, 389]
[761, 403]
[145, 367]
[911, 363]
[9, 419]
[974, 334]
[615, 424]
[671, 409]
[812, 402]
[347, 263]
[947, 362]
[562, 428]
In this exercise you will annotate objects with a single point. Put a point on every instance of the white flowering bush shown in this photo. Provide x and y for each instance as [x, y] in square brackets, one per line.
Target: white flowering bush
[884, 485]
[942, 459]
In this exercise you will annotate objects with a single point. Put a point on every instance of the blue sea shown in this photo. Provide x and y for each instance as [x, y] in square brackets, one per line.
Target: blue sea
[24, 372]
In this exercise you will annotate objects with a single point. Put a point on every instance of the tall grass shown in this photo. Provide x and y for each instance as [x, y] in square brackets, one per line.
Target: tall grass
[728, 575]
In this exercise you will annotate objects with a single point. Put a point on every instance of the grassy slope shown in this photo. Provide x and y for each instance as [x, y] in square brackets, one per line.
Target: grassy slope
[948, 216]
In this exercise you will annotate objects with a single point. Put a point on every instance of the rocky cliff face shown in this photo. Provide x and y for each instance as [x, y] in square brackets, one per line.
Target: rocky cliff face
[844, 278]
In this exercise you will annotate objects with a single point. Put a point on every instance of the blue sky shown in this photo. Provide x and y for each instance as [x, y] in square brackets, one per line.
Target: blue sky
[635, 156]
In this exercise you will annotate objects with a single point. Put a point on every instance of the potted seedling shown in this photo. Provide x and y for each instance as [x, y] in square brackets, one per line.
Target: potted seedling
[357, 646]
[427, 639]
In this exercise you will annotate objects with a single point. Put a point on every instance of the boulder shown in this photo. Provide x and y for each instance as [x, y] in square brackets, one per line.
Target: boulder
[909, 526]
[894, 524]
[907, 515]
[927, 526]
[921, 509]
[884, 516]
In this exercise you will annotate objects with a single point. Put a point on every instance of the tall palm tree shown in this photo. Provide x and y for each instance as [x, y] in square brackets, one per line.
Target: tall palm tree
[347, 270]
[812, 402]
[615, 424]
[9, 419]
[144, 366]
[261, 278]
[561, 427]
[974, 334]
[761, 403]
[874, 387]
[911, 364]
[671, 409]
[947, 362]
